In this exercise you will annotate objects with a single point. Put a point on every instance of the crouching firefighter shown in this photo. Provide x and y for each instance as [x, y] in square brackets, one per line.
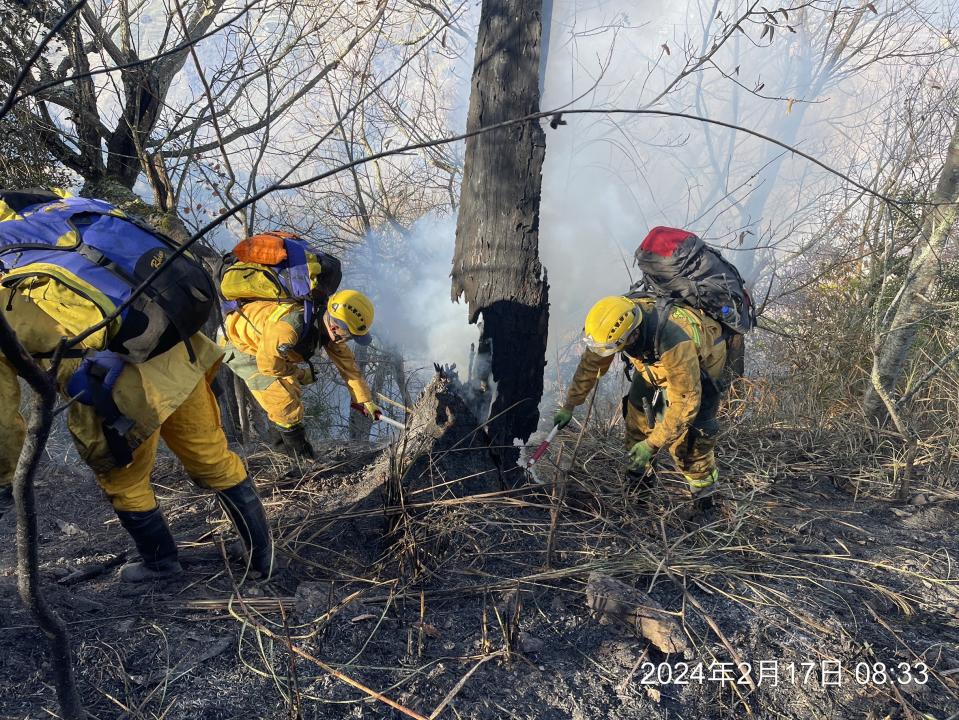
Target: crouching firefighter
[681, 333]
[281, 304]
[68, 263]
[675, 392]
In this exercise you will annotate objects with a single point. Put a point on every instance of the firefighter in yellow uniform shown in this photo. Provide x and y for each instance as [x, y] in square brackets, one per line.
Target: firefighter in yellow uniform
[167, 396]
[269, 348]
[678, 364]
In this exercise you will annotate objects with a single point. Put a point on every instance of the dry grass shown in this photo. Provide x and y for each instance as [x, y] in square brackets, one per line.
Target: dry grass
[808, 559]
[796, 548]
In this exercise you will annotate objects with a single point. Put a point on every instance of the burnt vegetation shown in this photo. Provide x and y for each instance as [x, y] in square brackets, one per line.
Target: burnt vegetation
[424, 573]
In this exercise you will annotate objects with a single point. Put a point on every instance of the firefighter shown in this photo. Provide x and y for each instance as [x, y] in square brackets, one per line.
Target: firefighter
[678, 364]
[117, 431]
[269, 345]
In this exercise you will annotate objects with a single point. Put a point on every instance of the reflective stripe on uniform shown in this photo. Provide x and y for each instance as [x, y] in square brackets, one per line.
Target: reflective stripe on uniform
[694, 324]
[700, 483]
[281, 311]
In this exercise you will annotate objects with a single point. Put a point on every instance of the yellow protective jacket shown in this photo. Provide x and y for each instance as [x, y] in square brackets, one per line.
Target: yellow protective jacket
[42, 311]
[270, 331]
[691, 343]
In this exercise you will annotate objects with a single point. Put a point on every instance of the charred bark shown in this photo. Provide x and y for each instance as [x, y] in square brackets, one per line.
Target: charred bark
[496, 263]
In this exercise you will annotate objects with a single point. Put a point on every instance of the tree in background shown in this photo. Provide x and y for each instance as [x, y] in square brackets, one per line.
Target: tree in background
[24, 159]
[917, 289]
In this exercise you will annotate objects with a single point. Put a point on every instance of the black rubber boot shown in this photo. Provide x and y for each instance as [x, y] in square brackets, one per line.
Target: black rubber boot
[158, 554]
[244, 508]
[273, 437]
[295, 442]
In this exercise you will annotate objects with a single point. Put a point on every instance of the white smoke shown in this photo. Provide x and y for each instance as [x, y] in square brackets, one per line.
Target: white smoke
[408, 279]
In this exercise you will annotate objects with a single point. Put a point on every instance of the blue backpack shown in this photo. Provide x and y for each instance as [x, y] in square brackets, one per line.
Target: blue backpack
[102, 254]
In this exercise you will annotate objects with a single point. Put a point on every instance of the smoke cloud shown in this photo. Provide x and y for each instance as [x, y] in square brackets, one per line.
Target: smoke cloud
[408, 279]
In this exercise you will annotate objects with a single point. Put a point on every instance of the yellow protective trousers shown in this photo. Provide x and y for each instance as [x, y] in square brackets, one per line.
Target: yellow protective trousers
[194, 434]
[693, 451]
[167, 396]
[280, 396]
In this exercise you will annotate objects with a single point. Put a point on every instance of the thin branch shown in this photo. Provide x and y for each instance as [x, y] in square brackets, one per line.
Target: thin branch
[282, 185]
[31, 61]
[12, 102]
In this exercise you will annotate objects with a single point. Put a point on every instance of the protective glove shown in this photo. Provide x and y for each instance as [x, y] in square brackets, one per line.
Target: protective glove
[372, 410]
[306, 374]
[562, 417]
[640, 455]
[106, 365]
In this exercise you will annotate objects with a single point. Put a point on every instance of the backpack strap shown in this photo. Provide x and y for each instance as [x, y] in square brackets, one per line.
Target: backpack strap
[298, 275]
[308, 335]
[664, 308]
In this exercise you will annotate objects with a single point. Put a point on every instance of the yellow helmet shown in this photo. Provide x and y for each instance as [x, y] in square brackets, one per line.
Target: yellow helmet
[609, 324]
[354, 310]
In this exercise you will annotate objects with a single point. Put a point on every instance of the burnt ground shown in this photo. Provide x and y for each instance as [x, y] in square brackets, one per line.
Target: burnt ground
[448, 600]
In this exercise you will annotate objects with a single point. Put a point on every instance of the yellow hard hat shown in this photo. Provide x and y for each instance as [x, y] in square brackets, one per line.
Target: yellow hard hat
[355, 310]
[609, 324]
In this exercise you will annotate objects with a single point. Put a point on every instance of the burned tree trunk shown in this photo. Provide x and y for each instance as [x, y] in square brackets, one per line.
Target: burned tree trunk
[496, 263]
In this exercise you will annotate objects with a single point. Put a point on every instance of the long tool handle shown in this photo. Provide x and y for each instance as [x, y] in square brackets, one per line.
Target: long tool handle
[382, 418]
[543, 446]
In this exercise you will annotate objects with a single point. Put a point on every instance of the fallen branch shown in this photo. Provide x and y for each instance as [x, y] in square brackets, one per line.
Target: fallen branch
[328, 669]
[459, 685]
[248, 619]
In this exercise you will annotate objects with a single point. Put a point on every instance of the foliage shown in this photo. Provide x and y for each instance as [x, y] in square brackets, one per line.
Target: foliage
[24, 160]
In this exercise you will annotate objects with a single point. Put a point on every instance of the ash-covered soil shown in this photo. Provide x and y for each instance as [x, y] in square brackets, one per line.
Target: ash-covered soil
[422, 574]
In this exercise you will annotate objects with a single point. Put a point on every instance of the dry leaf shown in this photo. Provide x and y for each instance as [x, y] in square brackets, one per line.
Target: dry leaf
[785, 14]
[873, 8]
[789, 105]
[736, 71]
[665, 47]
[766, 30]
[363, 618]
[428, 629]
